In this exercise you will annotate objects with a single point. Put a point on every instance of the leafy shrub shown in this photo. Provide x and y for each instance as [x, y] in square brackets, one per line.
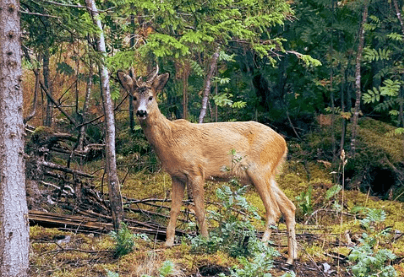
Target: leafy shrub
[124, 240]
[235, 234]
[258, 266]
[369, 261]
[165, 270]
[304, 201]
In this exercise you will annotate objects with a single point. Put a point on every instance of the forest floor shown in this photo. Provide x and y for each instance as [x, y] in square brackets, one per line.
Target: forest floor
[325, 236]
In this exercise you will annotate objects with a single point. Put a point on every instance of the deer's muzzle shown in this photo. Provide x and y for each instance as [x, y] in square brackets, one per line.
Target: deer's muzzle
[142, 114]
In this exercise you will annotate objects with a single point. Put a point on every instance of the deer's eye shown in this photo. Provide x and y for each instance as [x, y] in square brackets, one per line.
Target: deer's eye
[150, 98]
[134, 98]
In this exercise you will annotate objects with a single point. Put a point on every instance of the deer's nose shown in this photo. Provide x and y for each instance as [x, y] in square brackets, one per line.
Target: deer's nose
[141, 113]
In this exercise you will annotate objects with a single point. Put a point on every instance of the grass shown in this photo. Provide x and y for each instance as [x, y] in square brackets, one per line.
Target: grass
[319, 241]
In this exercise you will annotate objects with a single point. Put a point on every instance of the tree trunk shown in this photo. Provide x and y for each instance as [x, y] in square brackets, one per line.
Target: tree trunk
[14, 224]
[401, 105]
[131, 107]
[34, 101]
[111, 169]
[46, 80]
[401, 96]
[342, 95]
[358, 78]
[206, 90]
[185, 93]
[85, 107]
[400, 19]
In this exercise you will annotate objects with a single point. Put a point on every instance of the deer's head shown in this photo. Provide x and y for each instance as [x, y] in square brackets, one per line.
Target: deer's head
[144, 92]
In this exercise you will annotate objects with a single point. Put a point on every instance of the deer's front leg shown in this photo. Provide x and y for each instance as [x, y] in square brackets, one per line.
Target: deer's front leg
[177, 195]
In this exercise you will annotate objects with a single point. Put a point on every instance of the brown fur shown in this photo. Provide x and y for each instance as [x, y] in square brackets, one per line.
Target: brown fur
[192, 153]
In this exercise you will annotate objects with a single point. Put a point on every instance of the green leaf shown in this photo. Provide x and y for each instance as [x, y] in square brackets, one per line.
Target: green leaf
[334, 190]
[167, 268]
[64, 68]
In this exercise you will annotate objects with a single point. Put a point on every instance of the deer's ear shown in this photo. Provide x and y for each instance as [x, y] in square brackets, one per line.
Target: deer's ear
[160, 81]
[125, 80]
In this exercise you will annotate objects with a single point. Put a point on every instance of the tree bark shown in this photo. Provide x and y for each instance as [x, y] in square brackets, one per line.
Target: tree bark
[131, 107]
[185, 93]
[401, 96]
[358, 93]
[14, 225]
[85, 108]
[206, 90]
[400, 19]
[111, 169]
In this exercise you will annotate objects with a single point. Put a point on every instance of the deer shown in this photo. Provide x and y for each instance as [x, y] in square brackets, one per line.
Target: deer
[192, 153]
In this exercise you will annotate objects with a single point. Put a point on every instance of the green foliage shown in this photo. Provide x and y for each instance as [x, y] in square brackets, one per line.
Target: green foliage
[224, 99]
[112, 274]
[304, 201]
[370, 55]
[259, 266]
[367, 259]
[395, 132]
[390, 88]
[331, 192]
[197, 69]
[124, 240]
[64, 68]
[309, 61]
[395, 36]
[166, 269]
[235, 234]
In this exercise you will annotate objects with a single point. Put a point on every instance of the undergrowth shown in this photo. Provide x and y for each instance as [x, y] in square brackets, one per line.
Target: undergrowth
[237, 236]
[368, 260]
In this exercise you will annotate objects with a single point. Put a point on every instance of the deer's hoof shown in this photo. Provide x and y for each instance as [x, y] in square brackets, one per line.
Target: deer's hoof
[168, 244]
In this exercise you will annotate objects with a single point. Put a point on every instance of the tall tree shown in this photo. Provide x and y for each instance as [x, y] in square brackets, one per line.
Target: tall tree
[358, 93]
[14, 232]
[208, 80]
[110, 164]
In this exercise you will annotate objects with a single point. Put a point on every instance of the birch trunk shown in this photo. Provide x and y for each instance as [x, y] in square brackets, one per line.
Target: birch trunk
[358, 79]
[14, 225]
[111, 169]
[206, 90]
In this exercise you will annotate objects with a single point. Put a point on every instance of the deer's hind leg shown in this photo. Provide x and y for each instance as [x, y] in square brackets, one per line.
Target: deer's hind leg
[288, 210]
[268, 198]
[198, 193]
[177, 195]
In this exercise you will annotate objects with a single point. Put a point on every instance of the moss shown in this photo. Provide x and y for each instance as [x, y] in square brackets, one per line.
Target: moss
[316, 252]
[139, 185]
[38, 233]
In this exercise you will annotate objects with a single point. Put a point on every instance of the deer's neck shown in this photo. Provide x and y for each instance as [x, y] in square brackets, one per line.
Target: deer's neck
[157, 129]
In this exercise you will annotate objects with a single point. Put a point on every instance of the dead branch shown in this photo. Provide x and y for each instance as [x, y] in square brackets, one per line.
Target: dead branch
[70, 192]
[328, 211]
[65, 169]
[72, 121]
